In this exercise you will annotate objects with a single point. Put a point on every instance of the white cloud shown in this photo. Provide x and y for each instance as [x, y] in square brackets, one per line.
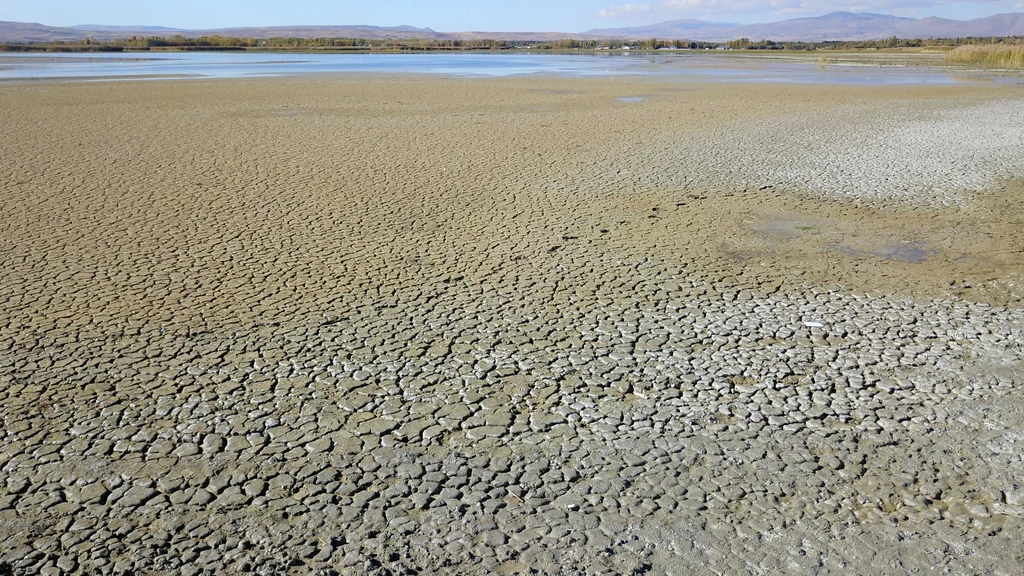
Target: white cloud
[686, 8]
[625, 11]
[745, 9]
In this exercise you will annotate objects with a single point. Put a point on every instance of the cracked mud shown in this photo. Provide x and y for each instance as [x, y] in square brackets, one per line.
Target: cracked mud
[516, 326]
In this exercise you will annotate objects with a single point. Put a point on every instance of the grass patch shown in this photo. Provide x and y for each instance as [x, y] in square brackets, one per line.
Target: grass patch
[823, 61]
[989, 55]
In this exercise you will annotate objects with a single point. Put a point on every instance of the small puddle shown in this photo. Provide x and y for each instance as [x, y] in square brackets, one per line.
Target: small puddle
[838, 240]
[911, 252]
[789, 229]
[631, 99]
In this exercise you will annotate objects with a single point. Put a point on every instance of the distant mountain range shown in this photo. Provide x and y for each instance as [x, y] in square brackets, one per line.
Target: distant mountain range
[834, 26]
[32, 32]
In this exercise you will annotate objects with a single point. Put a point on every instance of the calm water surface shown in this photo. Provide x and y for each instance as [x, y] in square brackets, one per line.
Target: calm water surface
[695, 66]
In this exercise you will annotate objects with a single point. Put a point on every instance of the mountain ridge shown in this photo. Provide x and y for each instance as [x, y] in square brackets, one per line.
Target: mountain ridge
[36, 32]
[831, 26]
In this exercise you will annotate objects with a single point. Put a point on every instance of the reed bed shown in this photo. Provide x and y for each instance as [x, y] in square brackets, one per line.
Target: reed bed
[989, 55]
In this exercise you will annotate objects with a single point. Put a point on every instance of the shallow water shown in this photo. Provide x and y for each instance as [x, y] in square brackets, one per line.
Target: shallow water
[686, 66]
[250, 64]
[911, 252]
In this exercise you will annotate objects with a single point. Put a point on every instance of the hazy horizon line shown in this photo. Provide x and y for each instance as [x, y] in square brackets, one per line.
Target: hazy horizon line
[433, 29]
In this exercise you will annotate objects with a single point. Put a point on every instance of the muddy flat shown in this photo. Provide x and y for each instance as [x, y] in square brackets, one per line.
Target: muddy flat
[411, 325]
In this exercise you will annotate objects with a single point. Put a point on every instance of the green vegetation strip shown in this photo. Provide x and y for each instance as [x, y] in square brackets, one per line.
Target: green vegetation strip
[971, 50]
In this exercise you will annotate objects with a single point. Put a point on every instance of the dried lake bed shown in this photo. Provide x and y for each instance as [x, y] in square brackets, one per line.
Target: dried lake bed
[403, 324]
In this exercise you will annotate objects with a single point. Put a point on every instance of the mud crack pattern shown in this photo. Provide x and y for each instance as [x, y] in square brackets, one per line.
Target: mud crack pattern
[501, 326]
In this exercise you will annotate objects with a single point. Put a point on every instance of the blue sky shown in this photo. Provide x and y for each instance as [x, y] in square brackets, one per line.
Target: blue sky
[461, 15]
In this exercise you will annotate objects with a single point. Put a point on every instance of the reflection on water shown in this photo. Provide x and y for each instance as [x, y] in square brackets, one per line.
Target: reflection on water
[249, 64]
[914, 252]
[838, 239]
[684, 66]
[893, 250]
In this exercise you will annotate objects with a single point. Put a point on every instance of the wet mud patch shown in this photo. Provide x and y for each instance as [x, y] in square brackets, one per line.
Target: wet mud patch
[789, 228]
[558, 92]
[909, 251]
[845, 243]
[771, 237]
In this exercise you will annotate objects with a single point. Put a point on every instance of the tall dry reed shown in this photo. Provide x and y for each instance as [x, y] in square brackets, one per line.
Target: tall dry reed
[989, 55]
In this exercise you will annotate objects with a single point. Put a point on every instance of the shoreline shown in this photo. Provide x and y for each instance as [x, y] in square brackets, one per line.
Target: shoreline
[826, 75]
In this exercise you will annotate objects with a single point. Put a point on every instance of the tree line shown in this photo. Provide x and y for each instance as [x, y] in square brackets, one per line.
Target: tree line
[214, 42]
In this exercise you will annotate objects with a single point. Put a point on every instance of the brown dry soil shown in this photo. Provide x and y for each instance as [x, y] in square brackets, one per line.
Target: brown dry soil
[405, 325]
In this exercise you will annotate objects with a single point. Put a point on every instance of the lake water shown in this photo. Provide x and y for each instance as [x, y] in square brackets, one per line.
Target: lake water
[695, 66]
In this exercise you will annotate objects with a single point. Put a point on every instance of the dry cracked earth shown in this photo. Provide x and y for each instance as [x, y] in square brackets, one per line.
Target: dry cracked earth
[411, 325]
